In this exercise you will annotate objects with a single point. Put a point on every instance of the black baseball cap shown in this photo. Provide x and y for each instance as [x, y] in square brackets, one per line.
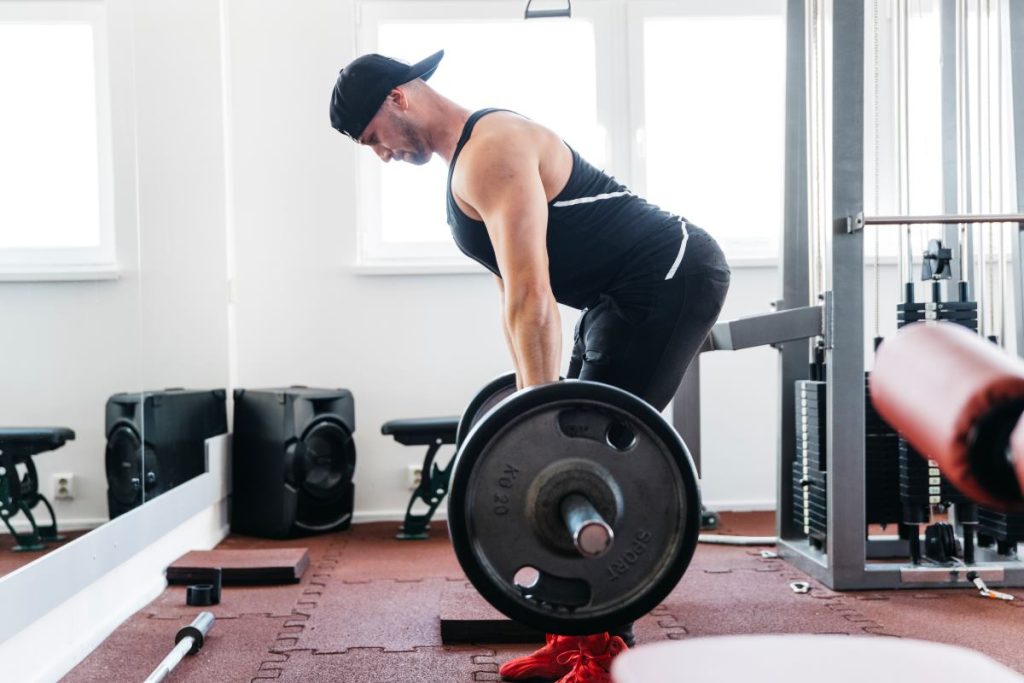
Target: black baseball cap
[364, 84]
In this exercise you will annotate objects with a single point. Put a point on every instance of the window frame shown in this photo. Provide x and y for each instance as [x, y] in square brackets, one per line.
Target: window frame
[73, 263]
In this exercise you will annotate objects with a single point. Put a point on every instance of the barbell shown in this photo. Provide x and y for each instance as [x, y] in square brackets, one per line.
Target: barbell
[574, 506]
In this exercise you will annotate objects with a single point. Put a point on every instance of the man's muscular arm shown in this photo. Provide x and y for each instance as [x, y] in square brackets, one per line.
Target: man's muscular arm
[508, 335]
[502, 182]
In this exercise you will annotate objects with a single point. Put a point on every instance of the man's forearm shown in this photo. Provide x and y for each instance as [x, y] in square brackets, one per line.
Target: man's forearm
[511, 349]
[534, 329]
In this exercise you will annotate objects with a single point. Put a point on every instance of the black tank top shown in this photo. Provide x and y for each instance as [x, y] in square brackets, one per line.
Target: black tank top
[601, 238]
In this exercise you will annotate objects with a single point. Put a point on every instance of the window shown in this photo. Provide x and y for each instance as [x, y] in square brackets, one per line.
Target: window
[486, 64]
[56, 198]
[710, 89]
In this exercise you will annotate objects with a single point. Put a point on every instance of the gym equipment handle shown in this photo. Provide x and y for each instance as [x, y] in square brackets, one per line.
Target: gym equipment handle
[548, 13]
[589, 532]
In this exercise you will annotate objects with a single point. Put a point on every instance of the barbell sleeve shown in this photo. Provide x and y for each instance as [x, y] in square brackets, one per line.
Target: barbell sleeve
[591, 535]
[188, 641]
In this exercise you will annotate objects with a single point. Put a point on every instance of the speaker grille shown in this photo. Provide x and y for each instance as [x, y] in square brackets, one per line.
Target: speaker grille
[124, 465]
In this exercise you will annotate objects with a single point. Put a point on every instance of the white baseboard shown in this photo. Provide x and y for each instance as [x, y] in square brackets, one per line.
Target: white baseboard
[76, 595]
[364, 516]
[740, 505]
[395, 515]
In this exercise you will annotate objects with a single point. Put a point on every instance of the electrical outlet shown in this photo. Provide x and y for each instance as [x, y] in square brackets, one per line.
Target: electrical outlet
[415, 476]
[63, 486]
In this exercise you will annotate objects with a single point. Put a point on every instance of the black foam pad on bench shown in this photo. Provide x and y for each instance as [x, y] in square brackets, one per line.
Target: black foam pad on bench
[422, 431]
[23, 442]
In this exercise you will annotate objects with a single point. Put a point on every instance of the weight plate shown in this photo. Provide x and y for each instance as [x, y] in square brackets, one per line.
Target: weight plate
[493, 393]
[500, 529]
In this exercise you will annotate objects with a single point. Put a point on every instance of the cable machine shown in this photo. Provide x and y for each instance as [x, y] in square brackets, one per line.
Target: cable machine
[838, 468]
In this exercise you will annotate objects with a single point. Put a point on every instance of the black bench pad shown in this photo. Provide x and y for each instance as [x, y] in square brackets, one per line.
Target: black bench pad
[25, 441]
[422, 431]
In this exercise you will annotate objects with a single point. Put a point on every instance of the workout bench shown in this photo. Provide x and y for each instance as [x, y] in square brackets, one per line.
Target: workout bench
[432, 432]
[21, 494]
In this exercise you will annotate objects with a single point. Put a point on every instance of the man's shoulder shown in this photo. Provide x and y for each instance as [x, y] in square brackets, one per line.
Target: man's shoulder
[506, 145]
[498, 133]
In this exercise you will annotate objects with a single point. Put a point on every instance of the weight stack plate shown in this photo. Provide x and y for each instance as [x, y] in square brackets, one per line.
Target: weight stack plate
[1001, 526]
[810, 424]
[882, 462]
[920, 481]
[817, 508]
[800, 498]
[909, 312]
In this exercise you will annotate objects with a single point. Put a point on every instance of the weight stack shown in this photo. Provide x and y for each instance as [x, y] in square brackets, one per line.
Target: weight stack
[882, 462]
[293, 461]
[921, 483]
[1005, 530]
[809, 482]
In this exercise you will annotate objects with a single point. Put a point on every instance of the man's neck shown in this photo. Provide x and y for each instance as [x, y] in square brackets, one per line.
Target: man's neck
[446, 129]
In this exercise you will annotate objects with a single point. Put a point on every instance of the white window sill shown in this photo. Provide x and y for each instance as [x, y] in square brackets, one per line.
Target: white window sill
[471, 268]
[419, 268]
[60, 273]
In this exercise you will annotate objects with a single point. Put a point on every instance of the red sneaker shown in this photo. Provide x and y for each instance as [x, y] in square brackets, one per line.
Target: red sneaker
[593, 661]
[544, 662]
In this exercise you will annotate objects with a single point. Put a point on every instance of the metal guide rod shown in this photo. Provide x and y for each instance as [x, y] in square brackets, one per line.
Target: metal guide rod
[858, 221]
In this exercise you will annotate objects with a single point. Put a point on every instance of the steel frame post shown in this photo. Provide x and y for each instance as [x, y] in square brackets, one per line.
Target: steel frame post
[795, 271]
[844, 341]
[686, 411]
[1016, 17]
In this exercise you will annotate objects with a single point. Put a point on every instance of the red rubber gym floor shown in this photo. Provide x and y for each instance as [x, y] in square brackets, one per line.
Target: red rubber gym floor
[367, 610]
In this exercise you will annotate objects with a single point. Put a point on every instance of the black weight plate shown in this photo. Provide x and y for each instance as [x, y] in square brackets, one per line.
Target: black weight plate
[494, 489]
[493, 393]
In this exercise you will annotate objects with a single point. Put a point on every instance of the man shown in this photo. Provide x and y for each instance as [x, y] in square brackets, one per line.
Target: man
[553, 229]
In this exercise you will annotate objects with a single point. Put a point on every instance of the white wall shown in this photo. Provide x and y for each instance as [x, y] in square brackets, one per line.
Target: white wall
[182, 201]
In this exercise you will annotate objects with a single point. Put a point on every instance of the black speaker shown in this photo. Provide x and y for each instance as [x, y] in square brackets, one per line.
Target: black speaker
[293, 460]
[155, 441]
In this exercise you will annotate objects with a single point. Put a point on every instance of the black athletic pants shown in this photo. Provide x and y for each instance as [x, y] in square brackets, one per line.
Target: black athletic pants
[645, 343]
